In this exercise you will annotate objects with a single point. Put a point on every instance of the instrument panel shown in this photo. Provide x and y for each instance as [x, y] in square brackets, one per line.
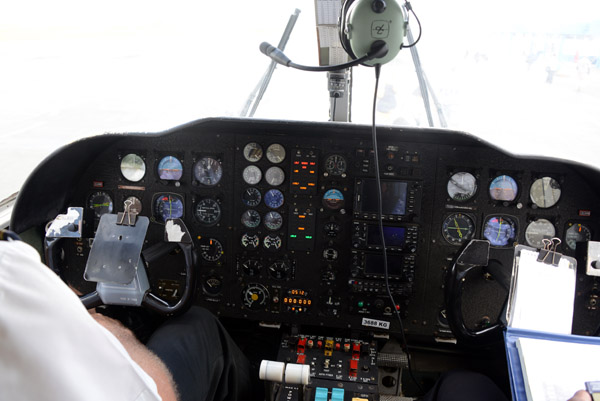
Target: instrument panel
[283, 215]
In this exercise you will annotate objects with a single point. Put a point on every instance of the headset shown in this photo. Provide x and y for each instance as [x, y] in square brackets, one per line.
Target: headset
[371, 32]
[365, 22]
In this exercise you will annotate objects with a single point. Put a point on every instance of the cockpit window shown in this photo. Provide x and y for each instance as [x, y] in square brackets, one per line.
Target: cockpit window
[525, 77]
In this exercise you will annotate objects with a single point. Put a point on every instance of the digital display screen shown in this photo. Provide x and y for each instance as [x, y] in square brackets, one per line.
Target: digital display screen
[374, 264]
[393, 197]
[394, 236]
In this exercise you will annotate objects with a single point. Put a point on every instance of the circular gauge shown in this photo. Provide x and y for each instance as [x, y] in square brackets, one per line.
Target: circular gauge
[462, 186]
[168, 206]
[212, 286]
[274, 198]
[273, 220]
[135, 205]
[253, 152]
[332, 229]
[274, 176]
[250, 241]
[133, 167]
[333, 199]
[208, 211]
[210, 249]
[504, 188]
[251, 267]
[170, 168]
[545, 192]
[537, 231]
[251, 197]
[458, 228]
[251, 218]
[335, 165]
[208, 171]
[255, 296]
[500, 231]
[272, 242]
[279, 269]
[276, 153]
[577, 233]
[101, 203]
[330, 254]
[252, 175]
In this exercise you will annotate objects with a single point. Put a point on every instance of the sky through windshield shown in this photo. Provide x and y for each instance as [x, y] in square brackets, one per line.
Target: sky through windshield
[524, 78]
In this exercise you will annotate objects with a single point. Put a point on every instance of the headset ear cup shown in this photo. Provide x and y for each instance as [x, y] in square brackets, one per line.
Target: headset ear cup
[342, 28]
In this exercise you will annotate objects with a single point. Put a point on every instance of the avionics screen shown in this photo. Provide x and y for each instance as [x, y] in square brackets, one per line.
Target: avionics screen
[393, 197]
[394, 236]
[374, 264]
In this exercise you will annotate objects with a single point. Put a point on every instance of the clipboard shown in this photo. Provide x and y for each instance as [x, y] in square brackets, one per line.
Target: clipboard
[571, 371]
[542, 290]
[542, 281]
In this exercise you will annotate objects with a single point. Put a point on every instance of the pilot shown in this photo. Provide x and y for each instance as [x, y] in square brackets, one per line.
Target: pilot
[52, 348]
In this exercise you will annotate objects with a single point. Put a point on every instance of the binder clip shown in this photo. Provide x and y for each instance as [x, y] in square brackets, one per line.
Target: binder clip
[127, 217]
[548, 254]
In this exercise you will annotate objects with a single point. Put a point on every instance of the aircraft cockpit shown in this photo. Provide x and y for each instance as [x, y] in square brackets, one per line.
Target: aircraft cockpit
[333, 246]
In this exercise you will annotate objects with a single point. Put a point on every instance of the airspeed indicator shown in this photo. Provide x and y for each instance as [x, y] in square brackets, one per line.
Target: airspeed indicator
[462, 186]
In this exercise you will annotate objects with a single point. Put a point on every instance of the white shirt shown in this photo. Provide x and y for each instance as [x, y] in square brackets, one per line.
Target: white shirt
[50, 346]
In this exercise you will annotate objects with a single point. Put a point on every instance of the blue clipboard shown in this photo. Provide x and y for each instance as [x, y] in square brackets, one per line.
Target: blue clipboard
[511, 335]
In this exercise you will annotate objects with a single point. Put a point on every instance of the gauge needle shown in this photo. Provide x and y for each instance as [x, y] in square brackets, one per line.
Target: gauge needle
[499, 229]
[460, 186]
[458, 228]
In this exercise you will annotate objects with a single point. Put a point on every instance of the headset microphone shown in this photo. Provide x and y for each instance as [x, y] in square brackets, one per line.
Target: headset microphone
[373, 28]
[378, 50]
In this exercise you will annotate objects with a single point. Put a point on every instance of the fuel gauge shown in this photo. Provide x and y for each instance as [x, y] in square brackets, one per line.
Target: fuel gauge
[272, 242]
[250, 241]
[212, 286]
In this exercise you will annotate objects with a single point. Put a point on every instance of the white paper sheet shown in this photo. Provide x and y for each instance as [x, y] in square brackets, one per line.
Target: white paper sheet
[544, 295]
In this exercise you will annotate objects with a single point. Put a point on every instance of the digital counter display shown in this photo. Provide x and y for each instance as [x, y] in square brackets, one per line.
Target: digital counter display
[393, 197]
[394, 236]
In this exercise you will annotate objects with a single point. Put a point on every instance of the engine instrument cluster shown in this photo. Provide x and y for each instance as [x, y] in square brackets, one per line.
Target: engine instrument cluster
[284, 215]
